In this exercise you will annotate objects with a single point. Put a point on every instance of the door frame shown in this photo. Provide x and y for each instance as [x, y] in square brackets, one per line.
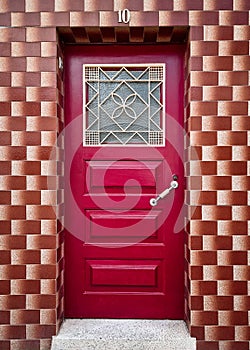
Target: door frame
[186, 87]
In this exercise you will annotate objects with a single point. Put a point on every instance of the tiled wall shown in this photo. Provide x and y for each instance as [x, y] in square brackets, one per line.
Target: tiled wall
[216, 118]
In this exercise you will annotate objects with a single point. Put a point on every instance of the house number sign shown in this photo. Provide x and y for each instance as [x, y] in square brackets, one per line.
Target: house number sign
[124, 16]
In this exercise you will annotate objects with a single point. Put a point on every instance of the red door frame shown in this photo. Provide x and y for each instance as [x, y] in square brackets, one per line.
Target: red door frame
[114, 54]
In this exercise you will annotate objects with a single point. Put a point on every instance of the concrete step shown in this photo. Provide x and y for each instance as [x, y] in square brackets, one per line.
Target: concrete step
[109, 334]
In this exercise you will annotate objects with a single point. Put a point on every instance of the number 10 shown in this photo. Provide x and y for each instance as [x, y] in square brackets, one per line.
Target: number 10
[123, 16]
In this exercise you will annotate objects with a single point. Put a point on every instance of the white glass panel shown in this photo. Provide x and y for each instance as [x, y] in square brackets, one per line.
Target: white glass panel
[123, 104]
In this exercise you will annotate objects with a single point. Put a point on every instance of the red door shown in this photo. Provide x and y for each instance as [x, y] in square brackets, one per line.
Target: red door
[123, 140]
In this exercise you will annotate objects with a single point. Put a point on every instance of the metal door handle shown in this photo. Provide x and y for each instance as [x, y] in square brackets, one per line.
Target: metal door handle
[173, 185]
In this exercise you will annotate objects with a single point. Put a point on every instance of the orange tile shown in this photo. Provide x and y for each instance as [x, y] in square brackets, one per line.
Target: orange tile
[197, 332]
[13, 182]
[232, 108]
[5, 287]
[232, 227]
[8, 302]
[232, 287]
[214, 302]
[98, 5]
[48, 317]
[241, 273]
[23, 257]
[21, 227]
[5, 197]
[212, 242]
[52, 19]
[203, 257]
[23, 138]
[40, 331]
[203, 108]
[13, 272]
[215, 93]
[38, 302]
[207, 345]
[241, 213]
[44, 241]
[21, 19]
[5, 48]
[204, 318]
[214, 32]
[5, 79]
[25, 344]
[5, 167]
[5, 258]
[232, 198]
[232, 18]
[19, 317]
[241, 5]
[173, 18]
[196, 33]
[22, 287]
[233, 168]
[37, 6]
[196, 303]
[217, 213]
[42, 212]
[213, 63]
[10, 212]
[204, 48]
[199, 18]
[241, 302]
[5, 317]
[37, 183]
[43, 271]
[242, 333]
[48, 286]
[234, 345]
[204, 227]
[12, 64]
[203, 167]
[219, 332]
[13, 332]
[25, 79]
[213, 183]
[156, 5]
[5, 19]
[227, 48]
[232, 138]
[37, 34]
[202, 138]
[213, 5]
[22, 49]
[12, 34]
[212, 273]
[203, 287]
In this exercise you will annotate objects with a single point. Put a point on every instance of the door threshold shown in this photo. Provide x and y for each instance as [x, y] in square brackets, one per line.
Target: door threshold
[126, 334]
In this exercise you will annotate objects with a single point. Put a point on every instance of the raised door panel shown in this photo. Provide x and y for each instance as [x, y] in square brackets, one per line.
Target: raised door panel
[112, 176]
[123, 275]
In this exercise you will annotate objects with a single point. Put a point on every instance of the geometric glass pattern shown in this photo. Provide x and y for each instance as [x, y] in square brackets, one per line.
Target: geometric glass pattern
[123, 104]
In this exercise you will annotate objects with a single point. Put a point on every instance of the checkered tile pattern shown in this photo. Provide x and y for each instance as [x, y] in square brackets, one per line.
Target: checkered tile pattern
[216, 118]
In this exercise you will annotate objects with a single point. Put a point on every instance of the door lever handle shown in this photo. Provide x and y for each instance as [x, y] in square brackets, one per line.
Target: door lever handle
[173, 185]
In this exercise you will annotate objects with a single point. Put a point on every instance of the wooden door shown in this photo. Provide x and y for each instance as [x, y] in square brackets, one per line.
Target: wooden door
[123, 257]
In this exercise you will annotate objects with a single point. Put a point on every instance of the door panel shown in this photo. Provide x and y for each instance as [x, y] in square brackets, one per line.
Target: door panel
[115, 174]
[123, 258]
[124, 275]
[99, 219]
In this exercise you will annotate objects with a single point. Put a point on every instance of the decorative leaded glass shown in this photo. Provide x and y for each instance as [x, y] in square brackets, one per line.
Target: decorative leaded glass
[124, 104]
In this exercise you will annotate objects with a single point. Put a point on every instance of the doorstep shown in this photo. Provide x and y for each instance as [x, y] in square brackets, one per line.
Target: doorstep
[110, 334]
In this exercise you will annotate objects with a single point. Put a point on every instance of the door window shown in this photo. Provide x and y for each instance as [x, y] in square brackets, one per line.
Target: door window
[123, 104]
